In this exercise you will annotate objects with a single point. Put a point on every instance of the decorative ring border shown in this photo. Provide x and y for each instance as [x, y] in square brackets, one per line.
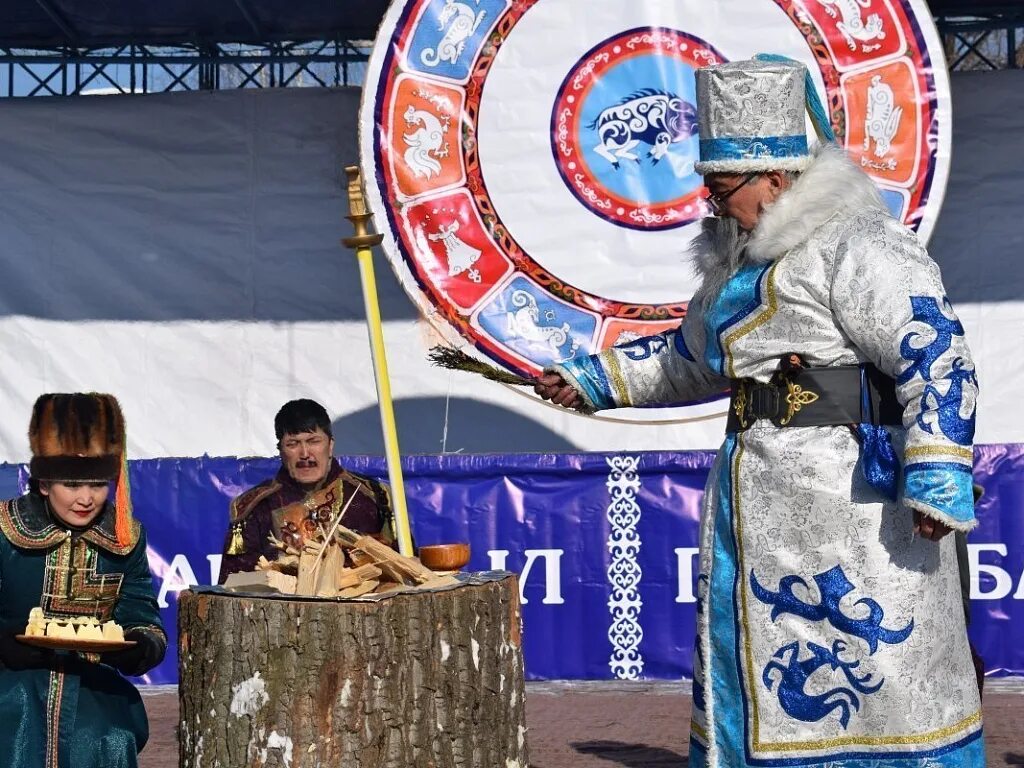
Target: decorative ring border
[934, 126]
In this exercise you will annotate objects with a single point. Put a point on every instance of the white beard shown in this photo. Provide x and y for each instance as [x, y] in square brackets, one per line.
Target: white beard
[718, 252]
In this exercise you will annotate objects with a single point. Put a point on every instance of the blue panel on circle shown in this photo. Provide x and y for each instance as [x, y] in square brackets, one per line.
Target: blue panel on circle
[623, 96]
[533, 324]
[893, 201]
[449, 34]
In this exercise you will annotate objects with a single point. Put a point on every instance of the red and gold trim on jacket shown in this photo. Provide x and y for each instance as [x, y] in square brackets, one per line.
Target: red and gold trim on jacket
[27, 533]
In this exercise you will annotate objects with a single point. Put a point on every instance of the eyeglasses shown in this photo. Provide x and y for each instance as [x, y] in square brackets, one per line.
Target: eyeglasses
[715, 201]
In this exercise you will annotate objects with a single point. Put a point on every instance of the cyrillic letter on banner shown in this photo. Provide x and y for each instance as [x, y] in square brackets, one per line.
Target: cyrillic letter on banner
[684, 559]
[552, 572]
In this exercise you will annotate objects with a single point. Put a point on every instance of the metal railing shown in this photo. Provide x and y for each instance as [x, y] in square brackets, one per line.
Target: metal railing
[994, 40]
[991, 41]
[160, 69]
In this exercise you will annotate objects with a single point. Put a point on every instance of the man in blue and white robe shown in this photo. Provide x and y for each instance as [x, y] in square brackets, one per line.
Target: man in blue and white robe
[830, 625]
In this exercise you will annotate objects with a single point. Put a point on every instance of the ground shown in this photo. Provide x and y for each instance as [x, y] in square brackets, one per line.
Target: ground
[631, 725]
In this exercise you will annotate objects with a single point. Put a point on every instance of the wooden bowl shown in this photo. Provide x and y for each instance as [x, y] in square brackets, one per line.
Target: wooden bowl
[444, 557]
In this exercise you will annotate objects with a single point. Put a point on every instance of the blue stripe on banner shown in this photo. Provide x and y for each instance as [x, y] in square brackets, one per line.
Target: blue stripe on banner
[545, 517]
[752, 148]
[10, 485]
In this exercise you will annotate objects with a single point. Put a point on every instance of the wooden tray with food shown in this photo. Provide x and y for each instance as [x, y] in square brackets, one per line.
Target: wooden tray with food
[75, 644]
[73, 633]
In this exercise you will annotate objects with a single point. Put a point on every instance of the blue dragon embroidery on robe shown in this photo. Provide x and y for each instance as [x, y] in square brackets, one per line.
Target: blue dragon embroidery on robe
[647, 346]
[926, 310]
[796, 671]
[833, 586]
[945, 407]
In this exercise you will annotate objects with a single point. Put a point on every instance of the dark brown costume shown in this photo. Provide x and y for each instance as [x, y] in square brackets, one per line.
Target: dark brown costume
[275, 505]
[69, 708]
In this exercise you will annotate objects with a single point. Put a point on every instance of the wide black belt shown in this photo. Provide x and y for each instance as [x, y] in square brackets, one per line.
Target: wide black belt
[816, 397]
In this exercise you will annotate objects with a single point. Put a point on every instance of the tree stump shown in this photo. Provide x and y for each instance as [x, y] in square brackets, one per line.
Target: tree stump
[427, 679]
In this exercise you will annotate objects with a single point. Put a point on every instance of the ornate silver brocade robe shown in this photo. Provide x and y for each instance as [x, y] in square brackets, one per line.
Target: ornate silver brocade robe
[829, 634]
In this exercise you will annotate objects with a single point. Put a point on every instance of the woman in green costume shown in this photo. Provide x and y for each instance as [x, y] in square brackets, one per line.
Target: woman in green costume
[66, 548]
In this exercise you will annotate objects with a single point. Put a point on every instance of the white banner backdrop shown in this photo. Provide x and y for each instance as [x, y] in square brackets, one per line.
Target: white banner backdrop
[181, 251]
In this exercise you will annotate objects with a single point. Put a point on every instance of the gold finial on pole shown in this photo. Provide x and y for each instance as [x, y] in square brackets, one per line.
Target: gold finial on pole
[362, 241]
[358, 214]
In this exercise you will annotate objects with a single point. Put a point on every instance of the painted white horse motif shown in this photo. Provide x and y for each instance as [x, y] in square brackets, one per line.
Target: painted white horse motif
[853, 26]
[463, 24]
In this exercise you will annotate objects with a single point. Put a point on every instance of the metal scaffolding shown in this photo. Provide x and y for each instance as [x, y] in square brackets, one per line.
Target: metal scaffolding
[55, 48]
[70, 71]
[982, 36]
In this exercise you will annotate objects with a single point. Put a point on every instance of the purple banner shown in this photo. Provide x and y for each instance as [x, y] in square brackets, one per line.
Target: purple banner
[605, 546]
[996, 549]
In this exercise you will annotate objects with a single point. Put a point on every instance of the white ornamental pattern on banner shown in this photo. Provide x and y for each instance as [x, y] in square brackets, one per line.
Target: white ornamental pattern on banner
[624, 573]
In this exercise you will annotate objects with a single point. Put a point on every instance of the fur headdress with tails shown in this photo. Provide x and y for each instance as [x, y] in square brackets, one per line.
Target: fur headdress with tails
[80, 438]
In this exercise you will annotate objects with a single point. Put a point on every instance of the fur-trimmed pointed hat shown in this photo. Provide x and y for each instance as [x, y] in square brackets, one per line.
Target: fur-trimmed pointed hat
[78, 437]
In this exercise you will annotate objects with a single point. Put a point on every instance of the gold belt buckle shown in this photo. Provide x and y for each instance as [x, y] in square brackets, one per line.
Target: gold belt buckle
[796, 398]
[739, 404]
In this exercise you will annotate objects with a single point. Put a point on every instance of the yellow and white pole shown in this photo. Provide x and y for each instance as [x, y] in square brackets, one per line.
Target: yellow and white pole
[362, 242]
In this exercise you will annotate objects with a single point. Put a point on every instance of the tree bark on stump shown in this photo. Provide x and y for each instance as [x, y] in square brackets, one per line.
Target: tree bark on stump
[428, 679]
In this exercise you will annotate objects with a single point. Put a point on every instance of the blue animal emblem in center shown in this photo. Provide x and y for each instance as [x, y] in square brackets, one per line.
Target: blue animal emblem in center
[651, 116]
[833, 586]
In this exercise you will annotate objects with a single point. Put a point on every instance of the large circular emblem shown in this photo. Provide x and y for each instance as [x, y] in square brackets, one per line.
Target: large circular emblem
[530, 162]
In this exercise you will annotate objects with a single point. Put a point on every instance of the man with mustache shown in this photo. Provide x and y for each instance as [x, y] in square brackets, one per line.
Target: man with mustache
[307, 492]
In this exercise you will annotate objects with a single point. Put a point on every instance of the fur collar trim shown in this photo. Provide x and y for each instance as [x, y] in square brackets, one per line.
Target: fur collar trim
[831, 184]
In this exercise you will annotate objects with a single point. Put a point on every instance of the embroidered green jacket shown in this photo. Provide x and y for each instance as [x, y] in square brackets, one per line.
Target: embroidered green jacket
[79, 712]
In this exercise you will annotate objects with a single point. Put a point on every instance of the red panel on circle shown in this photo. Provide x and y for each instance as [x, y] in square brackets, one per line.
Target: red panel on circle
[883, 125]
[857, 32]
[622, 331]
[458, 257]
